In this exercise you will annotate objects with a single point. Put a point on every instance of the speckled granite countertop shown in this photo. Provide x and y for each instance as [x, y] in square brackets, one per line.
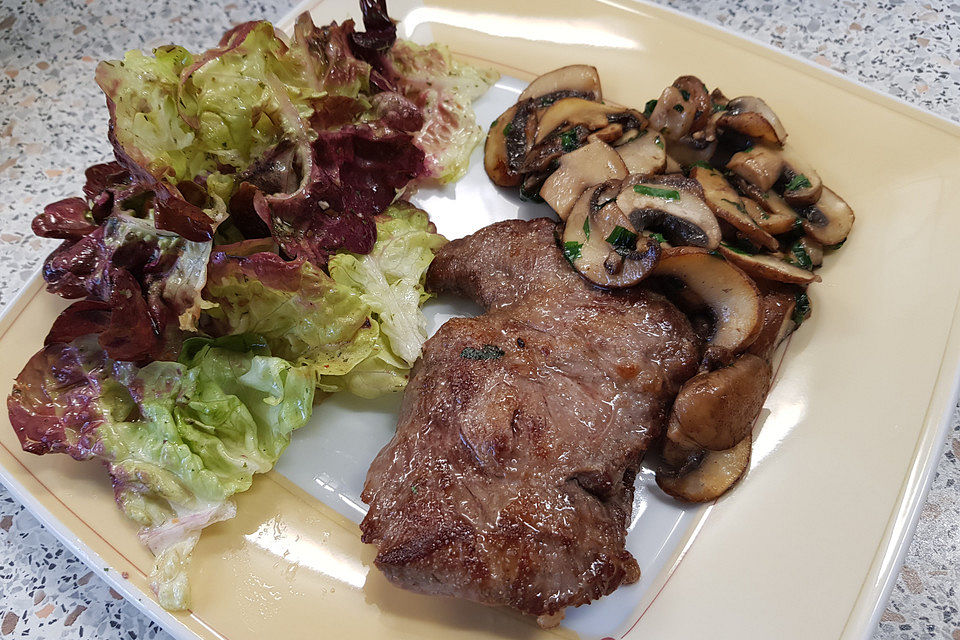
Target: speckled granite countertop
[52, 125]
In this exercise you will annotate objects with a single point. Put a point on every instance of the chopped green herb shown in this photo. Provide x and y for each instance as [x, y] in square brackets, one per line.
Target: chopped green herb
[655, 192]
[802, 311]
[800, 256]
[571, 250]
[736, 249]
[685, 94]
[798, 224]
[658, 237]
[586, 227]
[623, 240]
[507, 130]
[658, 142]
[488, 352]
[739, 205]
[799, 181]
[719, 107]
[716, 253]
[568, 140]
[649, 107]
[678, 108]
[413, 488]
[494, 123]
[702, 164]
[642, 133]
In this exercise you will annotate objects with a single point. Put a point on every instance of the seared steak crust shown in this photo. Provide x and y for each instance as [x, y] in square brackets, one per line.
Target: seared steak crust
[510, 478]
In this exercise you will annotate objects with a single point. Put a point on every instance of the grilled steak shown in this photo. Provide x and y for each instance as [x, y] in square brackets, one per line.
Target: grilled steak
[510, 478]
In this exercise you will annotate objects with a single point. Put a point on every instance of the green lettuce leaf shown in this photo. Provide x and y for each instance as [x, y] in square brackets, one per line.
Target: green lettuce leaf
[444, 89]
[303, 314]
[390, 278]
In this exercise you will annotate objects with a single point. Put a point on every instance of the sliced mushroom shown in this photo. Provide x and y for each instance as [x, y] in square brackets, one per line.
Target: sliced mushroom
[778, 303]
[753, 117]
[696, 95]
[731, 296]
[724, 201]
[717, 409]
[589, 165]
[812, 248]
[768, 267]
[578, 79]
[669, 208]
[600, 243]
[716, 472]
[768, 210]
[645, 154]
[692, 149]
[829, 220]
[718, 99]
[801, 183]
[761, 166]
[569, 112]
[495, 152]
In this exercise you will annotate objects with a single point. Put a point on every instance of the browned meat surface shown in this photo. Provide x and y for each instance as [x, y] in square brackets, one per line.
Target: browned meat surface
[510, 478]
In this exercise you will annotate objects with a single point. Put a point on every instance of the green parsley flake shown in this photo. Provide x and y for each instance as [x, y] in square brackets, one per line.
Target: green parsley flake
[802, 310]
[571, 250]
[655, 192]
[685, 94]
[586, 227]
[799, 181]
[623, 240]
[568, 140]
[800, 257]
[507, 130]
[649, 107]
[739, 205]
[658, 142]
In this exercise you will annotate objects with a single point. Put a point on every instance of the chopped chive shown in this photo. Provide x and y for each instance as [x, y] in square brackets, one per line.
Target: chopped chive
[800, 257]
[571, 251]
[507, 130]
[586, 227]
[658, 142]
[655, 192]
[623, 240]
[719, 107]
[685, 94]
[702, 164]
[649, 107]
[658, 237]
[736, 249]
[799, 181]
[494, 123]
[802, 309]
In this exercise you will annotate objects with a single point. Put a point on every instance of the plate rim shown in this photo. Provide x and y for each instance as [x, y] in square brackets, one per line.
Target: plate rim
[901, 526]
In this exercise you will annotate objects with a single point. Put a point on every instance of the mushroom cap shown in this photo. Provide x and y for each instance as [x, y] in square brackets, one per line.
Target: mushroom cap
[589, 165]
[495, 152]
[731, 295]
[768, 210]
[767, 267]
[716, 409]
[672, 208]
[760, 165]
[579, 78]
[725, 202]
[753, 117]
[799, 174]
[644, 155]
[829, 220]
[600, 243]
[716, 472]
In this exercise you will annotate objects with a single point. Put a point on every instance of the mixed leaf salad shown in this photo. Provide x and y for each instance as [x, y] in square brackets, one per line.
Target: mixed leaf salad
[245, 253]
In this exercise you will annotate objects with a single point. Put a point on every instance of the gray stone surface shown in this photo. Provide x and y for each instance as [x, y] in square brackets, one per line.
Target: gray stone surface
[53, 124]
